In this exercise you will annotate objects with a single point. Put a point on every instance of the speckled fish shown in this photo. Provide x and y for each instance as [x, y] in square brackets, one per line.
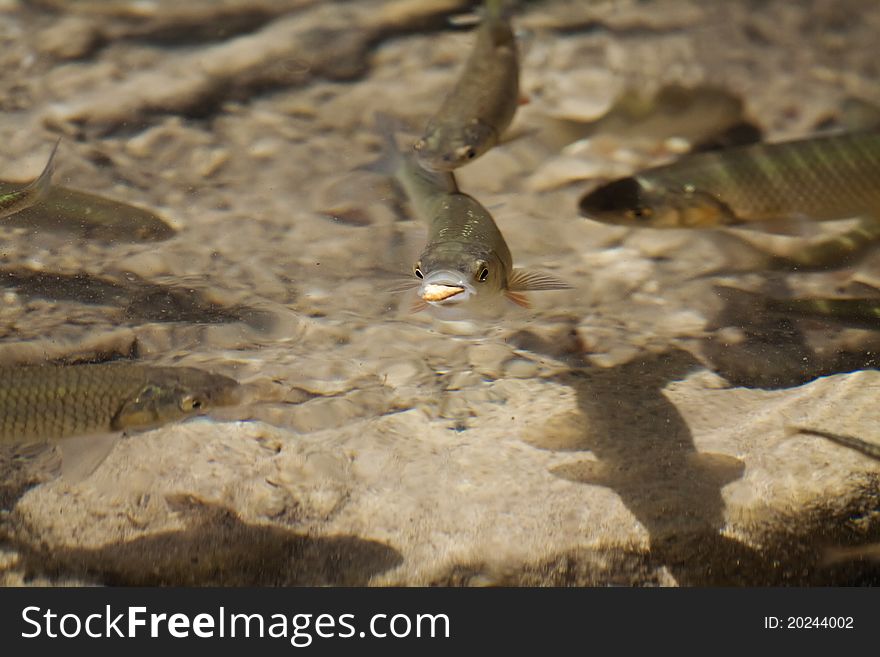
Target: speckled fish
[466, 262]
[88, 215]
[817, 179]
[481, 105]
[15, 197]
[63, 403]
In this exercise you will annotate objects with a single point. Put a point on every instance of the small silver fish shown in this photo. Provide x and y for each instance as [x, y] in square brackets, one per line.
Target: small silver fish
[466, 263]
[16, 200]
[481, 105]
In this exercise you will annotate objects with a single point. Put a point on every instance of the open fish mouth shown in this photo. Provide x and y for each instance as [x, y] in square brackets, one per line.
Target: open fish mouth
[444, 287]
[440, 292]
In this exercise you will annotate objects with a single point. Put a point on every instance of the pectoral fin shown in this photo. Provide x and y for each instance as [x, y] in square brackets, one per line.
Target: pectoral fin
[525, 280]
[81, 455]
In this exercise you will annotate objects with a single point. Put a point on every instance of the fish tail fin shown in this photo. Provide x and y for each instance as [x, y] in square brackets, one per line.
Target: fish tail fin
[390, 158]
[39, 187]
[525, 280]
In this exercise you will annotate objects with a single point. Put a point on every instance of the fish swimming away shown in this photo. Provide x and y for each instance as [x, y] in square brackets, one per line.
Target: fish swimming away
[853, 312]
[466, 262]
[696, 114]
[88, 215]
[16, 198]
[484, 100]
[821, 178]
[63, 403]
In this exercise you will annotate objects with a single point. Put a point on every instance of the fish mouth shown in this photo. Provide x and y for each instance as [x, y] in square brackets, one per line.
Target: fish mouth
[444, 287]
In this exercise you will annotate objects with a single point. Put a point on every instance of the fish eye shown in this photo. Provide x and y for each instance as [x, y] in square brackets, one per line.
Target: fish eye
[190, 403]
[484, 274]
[470, 153]
[418, 272]
[639, 212]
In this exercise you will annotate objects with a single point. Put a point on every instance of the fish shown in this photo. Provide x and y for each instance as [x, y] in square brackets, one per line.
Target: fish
[482, 104]
[852, 312]
[818, 179]
[88, 215]
[466, 263]
[696, 114]
[88, 405]
[15, 197]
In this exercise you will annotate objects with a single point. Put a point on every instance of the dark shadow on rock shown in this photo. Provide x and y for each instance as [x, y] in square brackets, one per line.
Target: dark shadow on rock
[645, 453]
[217, 549]
[770, 349]
[137, 299]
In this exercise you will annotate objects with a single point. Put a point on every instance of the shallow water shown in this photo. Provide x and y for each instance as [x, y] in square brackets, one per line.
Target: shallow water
[633, 429]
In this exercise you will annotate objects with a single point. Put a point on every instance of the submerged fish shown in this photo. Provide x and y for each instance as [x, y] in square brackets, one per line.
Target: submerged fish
[466, 260]
[854, 312]
[88, 215]
[695, 114]
[482, 104]
[41, 403]
[821, 178]
[16, 197]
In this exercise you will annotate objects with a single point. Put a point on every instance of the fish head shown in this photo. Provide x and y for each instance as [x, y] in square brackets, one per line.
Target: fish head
[172, 394]
[446, 147]
[635, 202]
[459, 279]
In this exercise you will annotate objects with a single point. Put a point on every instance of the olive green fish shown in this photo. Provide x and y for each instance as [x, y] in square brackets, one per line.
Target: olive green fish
[466, 264]
[88, 215]
[821, 178]
[41, 403]
[481, 105]
[854, 312]
[15, 197]
[692, 113]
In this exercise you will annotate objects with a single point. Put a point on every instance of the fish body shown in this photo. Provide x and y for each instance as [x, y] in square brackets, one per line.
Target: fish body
[821, 178]
[466, 261]
[88, 215]
[53, 402]
[694, 114]
[853, 312]
[16, 198]
[481, 106]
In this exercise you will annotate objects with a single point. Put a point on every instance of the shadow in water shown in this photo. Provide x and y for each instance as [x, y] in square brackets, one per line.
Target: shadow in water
[645, 453]
[769, 348]
[217, 549]
[137, 299]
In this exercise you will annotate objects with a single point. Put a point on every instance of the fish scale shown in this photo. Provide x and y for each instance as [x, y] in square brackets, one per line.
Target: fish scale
[769, 181]
[59, 401]
[820, 178]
